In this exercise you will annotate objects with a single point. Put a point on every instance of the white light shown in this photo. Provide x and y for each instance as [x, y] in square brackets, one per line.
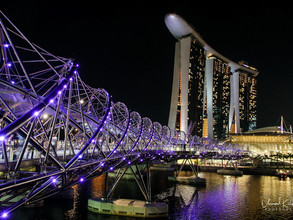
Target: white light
[2, 138]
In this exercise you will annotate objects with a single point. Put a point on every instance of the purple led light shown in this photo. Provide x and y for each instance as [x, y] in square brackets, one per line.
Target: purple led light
[36, 113]
[60, 92]
[129, 162]
[111, 168]
[81, 179]
[54, 180]
[70, 78]
[6, 45]
[2, 138]
[52, 100]
[9, 64]
[12, 82]
[4, 215]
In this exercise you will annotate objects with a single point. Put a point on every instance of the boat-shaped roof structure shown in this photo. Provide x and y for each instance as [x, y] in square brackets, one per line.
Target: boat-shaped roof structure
[179, 28]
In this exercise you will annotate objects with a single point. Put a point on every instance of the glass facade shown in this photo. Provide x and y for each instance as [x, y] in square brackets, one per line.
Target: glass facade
[196, 87]
[247, 101]
[221, 98]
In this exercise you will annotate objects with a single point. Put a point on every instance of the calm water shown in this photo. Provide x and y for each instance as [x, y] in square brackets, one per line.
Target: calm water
[224, 197]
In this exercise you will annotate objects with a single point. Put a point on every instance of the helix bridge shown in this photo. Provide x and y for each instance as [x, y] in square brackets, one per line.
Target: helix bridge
[71, 132]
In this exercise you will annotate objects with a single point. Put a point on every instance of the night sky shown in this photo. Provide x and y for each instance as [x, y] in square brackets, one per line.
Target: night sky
[128, 50]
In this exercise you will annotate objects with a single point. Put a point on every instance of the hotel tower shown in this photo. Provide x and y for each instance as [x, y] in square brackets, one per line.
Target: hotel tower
[212, 96]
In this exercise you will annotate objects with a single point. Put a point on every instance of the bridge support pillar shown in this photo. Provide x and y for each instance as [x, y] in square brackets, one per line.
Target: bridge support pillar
[194, 179]
[232, 171]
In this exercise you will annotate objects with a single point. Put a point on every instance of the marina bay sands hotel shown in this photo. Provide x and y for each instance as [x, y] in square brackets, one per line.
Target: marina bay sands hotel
[212, 96]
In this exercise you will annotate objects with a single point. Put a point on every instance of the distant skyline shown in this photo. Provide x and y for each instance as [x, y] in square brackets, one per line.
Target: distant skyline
[128, 50]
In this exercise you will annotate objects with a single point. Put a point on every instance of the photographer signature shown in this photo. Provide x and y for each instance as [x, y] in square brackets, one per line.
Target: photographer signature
[281, 203]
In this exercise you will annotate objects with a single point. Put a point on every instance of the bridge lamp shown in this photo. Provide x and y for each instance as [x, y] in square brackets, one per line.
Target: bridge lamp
[4, 215]
[129, 162]
[6, 45]
[2, 138]
[111, 168]
[54, 180]
[81, 179]
[9, 65]
[36, 113]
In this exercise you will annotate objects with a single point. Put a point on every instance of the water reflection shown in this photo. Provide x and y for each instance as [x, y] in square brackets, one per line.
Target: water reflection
[224, 197]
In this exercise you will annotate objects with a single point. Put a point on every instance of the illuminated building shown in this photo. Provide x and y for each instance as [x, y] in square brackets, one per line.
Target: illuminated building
[212, 96]
[267, 140]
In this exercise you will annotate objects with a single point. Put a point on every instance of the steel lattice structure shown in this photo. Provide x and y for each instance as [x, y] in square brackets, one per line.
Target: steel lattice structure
[71, 131]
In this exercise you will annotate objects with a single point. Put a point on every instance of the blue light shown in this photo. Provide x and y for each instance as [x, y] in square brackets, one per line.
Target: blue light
[9, 64]
[4, 215]
[2, 138]
[81, 179]
[6, 45]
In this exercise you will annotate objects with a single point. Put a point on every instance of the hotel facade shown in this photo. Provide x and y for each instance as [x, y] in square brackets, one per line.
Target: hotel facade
[212, 96]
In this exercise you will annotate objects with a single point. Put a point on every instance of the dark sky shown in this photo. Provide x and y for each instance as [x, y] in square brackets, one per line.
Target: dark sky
[128, 50]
